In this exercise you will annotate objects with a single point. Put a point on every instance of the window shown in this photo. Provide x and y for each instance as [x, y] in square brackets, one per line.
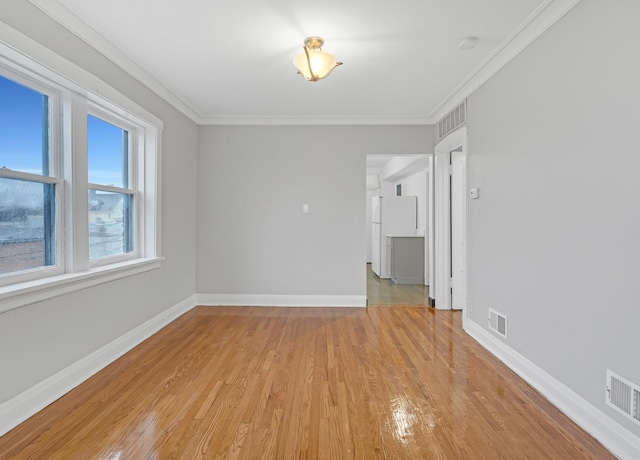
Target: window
[111, 195]
[29, 188]
[79, 180]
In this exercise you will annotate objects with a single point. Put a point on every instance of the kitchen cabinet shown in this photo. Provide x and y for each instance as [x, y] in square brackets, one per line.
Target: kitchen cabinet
[406, 258]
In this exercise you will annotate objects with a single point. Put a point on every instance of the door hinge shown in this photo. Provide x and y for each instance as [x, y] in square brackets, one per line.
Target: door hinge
[451, 282]
[450, 170]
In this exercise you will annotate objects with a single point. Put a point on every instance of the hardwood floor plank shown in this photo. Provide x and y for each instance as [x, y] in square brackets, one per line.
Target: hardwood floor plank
[394, 382]
[386, 292]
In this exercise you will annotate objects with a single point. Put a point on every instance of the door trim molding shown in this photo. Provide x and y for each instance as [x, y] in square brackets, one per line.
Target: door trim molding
[442, 218]
[431, 230]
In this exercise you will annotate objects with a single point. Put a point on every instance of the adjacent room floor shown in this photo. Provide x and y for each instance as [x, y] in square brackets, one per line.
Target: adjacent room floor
[386, 292]
[283, 383]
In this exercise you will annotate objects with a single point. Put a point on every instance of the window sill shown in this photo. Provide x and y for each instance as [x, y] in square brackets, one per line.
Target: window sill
[21, 294]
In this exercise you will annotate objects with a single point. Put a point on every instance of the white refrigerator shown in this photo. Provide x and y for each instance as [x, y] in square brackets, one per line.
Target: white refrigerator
[390, 214]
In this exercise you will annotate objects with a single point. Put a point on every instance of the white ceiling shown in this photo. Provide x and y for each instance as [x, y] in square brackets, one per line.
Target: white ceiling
[225, 60]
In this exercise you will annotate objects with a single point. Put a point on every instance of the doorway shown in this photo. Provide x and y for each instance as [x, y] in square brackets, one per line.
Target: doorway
[391, 176]
[448, 232]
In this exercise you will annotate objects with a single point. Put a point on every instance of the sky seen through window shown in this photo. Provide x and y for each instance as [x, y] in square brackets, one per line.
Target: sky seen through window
[21, 140]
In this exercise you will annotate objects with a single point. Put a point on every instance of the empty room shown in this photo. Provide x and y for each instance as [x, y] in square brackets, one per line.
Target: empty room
[334, 230]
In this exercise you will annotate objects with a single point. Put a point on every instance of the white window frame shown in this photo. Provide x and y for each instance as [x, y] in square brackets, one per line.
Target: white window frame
[32, 82]
[136, 145]
[74, 93]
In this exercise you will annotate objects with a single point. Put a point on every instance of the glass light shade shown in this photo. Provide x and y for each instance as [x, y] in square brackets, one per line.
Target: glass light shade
[322, 64]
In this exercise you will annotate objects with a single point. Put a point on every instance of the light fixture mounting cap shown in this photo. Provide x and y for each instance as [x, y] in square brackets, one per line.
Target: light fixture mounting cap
[313, 43]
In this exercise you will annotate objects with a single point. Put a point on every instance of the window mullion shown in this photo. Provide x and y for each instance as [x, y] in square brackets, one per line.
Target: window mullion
[50, 196]
[76, 179]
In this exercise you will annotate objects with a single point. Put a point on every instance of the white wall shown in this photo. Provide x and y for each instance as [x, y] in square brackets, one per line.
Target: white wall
[554, 238]
[386, 189]
[252, 235]
[36, 341]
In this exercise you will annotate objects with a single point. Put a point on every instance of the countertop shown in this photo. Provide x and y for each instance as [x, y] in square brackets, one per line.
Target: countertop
[403, 235]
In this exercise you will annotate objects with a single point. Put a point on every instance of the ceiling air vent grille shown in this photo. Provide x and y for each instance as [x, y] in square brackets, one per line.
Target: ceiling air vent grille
[498, 322]
[623, 396]
[453, 120]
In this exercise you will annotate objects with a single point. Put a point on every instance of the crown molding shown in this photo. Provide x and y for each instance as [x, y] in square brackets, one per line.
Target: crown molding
[547, 14]
[537, 23]
[83, 29]
[306, 120]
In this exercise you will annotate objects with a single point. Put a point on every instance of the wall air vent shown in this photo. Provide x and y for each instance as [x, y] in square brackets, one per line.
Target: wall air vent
[498, 323]
[623, 396]
[453, 120]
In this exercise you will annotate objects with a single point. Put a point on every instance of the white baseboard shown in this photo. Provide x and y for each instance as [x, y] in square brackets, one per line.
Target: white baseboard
[259, 300]
[36, 398]
[612, 435]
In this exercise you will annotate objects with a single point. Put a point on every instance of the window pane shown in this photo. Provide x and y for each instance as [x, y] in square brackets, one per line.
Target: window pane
[24, 128]
[108, 147]
[27, 225]
[110, 224]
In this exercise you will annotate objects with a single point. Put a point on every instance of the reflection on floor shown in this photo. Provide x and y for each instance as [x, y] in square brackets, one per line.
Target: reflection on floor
[401, 382]
[385, 292]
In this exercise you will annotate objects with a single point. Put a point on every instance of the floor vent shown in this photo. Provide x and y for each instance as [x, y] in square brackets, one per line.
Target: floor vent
[453, 120]
[498, 322]
[623, 396]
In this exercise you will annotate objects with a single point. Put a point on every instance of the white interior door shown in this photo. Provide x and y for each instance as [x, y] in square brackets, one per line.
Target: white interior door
[458, 251]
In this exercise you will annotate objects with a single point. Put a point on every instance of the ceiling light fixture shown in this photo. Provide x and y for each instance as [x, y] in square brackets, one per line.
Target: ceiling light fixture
[315, 64]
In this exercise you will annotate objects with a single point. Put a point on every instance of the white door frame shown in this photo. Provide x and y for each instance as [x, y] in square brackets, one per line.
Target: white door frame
[431, 229]
[442, 219]
[458, 250]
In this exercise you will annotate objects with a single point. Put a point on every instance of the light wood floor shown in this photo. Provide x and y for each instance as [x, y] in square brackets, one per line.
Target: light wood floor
[386, 292]
[287, 383]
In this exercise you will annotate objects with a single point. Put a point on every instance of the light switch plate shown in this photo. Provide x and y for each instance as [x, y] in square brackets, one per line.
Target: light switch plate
[305, 208]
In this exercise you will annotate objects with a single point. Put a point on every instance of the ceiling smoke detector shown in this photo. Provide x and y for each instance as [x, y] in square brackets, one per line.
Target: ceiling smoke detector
[468, 43]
